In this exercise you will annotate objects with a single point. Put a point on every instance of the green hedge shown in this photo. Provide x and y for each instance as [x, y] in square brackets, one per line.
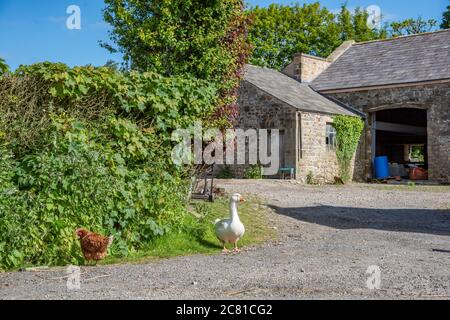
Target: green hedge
[90, 147]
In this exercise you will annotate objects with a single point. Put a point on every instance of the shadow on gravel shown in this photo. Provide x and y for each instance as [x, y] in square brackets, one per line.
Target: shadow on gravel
[440, 250]
[435, 222]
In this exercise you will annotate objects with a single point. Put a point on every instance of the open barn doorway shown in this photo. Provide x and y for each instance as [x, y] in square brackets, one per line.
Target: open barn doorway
[401, 136]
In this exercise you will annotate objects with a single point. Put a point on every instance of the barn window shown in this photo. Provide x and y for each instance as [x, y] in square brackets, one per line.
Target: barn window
[330, 137]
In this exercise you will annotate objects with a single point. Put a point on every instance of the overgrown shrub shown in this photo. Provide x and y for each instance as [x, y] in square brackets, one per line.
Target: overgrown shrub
[310, 178]
[253, 172]
[33, 93]
[90, 147]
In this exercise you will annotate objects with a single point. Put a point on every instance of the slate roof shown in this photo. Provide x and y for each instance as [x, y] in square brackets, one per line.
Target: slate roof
[409, 59]
[296, 94]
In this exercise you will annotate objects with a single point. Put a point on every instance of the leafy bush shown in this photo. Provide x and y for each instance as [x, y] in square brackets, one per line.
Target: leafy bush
[253, 172]
[33, 93]
[107, 180]
[310, 178]
[89, 147]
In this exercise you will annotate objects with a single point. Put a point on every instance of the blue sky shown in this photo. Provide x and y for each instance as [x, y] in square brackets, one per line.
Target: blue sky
[34, 31]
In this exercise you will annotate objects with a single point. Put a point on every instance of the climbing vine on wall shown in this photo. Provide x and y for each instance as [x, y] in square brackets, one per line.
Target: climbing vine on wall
[348, 133]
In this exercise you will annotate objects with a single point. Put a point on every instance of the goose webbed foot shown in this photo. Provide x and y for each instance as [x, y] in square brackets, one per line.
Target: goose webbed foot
[236, 249]
[225, 250]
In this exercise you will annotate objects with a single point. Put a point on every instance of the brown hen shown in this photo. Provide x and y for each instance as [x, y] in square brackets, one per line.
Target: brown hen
[93, 245]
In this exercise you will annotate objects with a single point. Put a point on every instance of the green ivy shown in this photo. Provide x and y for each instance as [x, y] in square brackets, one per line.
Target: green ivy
[348, 133]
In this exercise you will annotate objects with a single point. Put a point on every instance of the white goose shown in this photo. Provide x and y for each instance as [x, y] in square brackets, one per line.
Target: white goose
[231, 230]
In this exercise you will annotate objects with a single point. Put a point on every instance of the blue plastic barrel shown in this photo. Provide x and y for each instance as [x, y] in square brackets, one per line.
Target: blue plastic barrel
[381, 166]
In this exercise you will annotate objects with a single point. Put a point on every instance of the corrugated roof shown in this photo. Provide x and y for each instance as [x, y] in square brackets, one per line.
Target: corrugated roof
[296, 94]
[409, 59]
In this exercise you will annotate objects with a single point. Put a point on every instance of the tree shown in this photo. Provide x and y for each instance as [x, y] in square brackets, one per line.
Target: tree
[412, 26]
[345, 24]
[111, 64]
[359, 28]
[278, 32]
[196, 38]
[3, 66]
[446, 19]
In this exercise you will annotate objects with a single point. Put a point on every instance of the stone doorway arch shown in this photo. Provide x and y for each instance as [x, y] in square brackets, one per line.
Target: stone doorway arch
[396, 128]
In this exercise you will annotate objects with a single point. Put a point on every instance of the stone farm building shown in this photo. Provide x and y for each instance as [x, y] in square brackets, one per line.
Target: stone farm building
[399, 86]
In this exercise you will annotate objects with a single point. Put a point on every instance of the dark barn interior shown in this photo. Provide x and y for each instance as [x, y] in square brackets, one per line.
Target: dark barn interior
[401, 135]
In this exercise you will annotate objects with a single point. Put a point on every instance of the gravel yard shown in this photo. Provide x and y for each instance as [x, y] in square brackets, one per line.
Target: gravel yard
[328, 237]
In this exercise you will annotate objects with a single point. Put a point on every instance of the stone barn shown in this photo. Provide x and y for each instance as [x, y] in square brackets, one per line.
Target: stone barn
[403, 87]
[399, 86]
[269, 99]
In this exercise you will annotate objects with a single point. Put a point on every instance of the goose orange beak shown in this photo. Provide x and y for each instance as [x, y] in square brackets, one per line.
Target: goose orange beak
[241, 199]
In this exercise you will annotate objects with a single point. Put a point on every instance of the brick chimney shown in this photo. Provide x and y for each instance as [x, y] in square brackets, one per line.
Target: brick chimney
[305, 67]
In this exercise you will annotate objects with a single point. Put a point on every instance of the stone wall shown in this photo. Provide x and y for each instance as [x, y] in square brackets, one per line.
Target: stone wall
[259, 110]
[435, 98]
[315, 156]
[305, 146]
[306, 68]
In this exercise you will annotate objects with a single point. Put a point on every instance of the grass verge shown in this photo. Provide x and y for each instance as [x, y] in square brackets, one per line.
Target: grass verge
[253, 214]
